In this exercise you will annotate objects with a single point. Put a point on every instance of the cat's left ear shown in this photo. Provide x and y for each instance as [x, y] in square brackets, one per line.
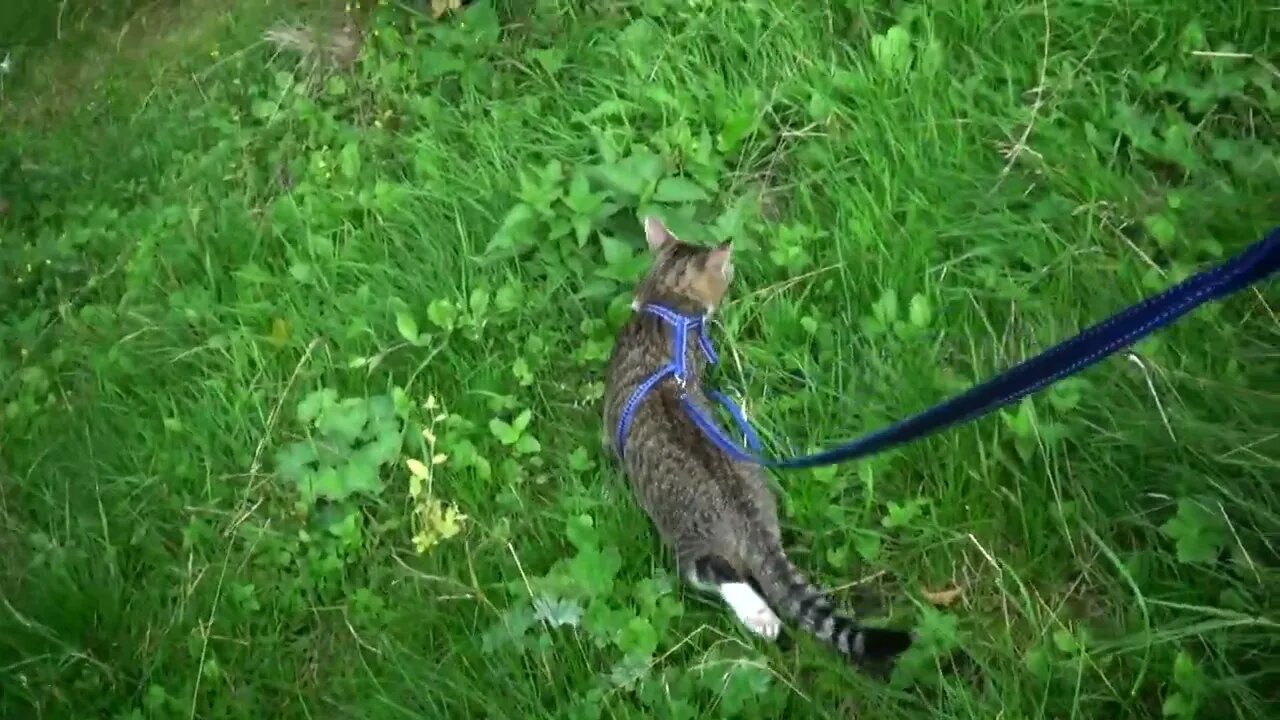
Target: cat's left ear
[656, 234]
[720, 261]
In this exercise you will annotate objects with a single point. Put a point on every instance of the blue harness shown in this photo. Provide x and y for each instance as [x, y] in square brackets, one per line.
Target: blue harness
[1254, 264]
[681, 325]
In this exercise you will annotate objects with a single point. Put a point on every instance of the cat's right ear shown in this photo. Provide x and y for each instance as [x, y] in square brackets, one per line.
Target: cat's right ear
[656, 234]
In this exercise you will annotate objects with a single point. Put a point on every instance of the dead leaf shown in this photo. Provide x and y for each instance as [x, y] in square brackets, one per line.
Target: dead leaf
[440, 7]
[942, 598]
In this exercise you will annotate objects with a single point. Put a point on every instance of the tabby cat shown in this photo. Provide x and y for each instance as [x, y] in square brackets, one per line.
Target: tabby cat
[718, 515]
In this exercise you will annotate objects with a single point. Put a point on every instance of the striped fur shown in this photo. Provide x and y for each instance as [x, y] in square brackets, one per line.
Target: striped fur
[792, 595]
[718, 516]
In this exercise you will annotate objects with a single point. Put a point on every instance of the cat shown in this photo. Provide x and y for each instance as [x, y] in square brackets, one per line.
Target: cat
[718, 515]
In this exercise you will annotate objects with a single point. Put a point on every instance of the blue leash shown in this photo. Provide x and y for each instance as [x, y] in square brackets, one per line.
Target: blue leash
[1254, 264]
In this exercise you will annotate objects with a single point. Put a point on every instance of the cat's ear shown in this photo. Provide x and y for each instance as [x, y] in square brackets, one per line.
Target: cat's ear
[656, 234]
[720, 261]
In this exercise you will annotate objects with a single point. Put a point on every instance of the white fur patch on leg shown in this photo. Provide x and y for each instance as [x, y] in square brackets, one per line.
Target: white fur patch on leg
[751, 609]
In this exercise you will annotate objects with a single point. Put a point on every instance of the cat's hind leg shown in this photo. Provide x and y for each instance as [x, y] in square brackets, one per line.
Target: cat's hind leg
[713, 572]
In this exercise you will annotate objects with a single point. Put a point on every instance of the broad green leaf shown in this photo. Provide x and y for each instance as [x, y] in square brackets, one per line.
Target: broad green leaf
[1065, 641]
[617, 177]
[1185, 672]
[820, 106]
[479, 302]
[345, 421]
[619, 310]
[516, 231]
[637, 636]
[503, 431]
[262, 109]
[315, 402]
[1176, 706]
[581, 531]
[679, 190]
[349, 160]
[1198, 534]
[358, 477]
[580, 199]
[551, 59]
[616, 251]
[383, 449]
[442, 313]
[1161, 228]
[921, 311]
[323, 484]
[933, 58]
[593, 571]
[407, 326]
[633, 174]
[892, 50]
[737, 126]
[295, 460]
[886, 309]
[520, 368]
[302, 272]
[867, 546]
[528, 445]
[557, 612]
[509, 297]
[580, 460]
[1037, 661]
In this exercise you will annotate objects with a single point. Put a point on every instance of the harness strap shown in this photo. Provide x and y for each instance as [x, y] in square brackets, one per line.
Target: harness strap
[676, 369]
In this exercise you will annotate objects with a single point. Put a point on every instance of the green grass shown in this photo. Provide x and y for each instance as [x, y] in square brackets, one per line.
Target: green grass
[209, 248]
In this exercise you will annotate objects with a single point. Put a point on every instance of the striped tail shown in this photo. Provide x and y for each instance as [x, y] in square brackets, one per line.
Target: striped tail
[792, 595]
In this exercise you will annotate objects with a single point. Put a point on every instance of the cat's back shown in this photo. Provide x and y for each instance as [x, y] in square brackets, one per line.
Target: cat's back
[637, 352]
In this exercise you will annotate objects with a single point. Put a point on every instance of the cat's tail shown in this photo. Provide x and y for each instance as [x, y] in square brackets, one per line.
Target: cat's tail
[792, 595]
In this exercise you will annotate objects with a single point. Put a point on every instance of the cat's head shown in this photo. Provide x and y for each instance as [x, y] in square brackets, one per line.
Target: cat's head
[688, 277]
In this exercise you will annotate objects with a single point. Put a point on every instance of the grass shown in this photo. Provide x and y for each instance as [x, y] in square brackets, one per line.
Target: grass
[232, 280]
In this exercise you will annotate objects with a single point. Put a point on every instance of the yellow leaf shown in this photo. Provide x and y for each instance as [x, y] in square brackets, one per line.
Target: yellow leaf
[279, 332]
[429, 436]
[440, 7]
[449, 522]
[417, 468]
[439, 459]
[437, 523]
[942, 598]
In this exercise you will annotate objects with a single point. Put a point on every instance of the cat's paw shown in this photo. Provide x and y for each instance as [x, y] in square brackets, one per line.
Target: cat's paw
[751, 609]
[765, 623]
